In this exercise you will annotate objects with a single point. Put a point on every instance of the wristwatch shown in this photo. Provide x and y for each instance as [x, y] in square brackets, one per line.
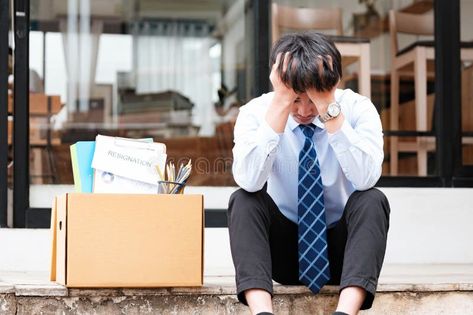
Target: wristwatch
[333, 110]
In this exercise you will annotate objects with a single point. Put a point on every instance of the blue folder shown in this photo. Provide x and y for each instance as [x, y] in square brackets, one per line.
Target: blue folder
[82, 153]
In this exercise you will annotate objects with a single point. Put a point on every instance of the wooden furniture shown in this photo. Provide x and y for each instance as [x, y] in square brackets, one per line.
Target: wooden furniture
[305, 19]
[417, 60]
[42, 138]
[377, 27]
[351, 49]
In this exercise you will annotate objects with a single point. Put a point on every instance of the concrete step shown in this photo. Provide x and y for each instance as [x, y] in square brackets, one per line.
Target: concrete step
[403, 289]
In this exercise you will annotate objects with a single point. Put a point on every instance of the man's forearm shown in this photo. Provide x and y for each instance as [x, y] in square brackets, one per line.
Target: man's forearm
[359, 151]
[254, 150]
[333, 125]
[278, 112]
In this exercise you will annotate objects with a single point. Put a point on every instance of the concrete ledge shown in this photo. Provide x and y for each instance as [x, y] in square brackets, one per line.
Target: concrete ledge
[432, 287]
[394, 278]
[55, 290]
[6, 288]
[392, 303]
[403, 289]
[40, 290]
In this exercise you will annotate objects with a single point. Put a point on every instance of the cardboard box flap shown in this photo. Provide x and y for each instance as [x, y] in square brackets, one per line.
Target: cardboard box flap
[52, 227]
[61, 230]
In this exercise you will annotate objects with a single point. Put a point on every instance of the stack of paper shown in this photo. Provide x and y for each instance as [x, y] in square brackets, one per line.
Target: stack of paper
[117, 165]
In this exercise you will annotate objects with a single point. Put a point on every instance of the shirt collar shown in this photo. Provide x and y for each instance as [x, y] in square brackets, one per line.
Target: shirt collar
[292, 124]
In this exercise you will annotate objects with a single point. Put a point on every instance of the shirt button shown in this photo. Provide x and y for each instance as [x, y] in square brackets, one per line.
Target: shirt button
[271, 146]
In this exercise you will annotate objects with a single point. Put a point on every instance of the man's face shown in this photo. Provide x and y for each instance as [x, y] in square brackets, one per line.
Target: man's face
[303, 110]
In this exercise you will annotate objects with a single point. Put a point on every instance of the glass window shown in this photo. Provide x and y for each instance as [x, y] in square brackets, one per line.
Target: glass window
[466, 36]
[173, 71]
[373, 54]
[55, 83]
[36, 59]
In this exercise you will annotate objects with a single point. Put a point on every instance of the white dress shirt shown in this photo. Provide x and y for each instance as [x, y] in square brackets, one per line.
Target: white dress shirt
[350, 159]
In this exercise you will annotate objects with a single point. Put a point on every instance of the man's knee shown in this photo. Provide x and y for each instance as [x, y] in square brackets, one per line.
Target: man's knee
[246, 203]
[237, 195]
[371, 204]
[239, 198]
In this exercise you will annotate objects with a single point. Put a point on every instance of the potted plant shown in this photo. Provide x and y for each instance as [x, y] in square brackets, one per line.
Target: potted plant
[368, 23]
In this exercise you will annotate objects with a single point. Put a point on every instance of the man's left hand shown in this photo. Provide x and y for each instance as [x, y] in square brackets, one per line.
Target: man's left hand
[321, 100]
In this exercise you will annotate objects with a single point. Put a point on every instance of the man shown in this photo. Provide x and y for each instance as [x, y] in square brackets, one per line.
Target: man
[306, 157]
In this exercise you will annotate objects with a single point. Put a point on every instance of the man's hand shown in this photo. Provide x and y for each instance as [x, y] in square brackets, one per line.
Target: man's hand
[282, 92]
[283, 99]
[321, 101]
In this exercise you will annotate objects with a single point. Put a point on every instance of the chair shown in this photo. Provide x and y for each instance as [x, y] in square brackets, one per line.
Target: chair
[325, 19]
[42, 138]
[416, 59]
[305, 19]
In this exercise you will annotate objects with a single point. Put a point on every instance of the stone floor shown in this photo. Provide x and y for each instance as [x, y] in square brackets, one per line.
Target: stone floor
[403, 289]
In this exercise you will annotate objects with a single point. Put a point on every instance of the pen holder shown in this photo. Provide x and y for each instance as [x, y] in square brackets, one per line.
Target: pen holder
[169, 187]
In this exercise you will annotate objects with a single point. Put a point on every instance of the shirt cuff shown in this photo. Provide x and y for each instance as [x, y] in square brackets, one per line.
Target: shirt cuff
[344, 138]
[267, 137]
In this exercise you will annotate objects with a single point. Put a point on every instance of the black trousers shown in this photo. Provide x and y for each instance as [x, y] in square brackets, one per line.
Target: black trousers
[264, 243]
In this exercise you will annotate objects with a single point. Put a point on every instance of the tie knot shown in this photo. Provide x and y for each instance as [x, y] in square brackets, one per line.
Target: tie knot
[308, 130]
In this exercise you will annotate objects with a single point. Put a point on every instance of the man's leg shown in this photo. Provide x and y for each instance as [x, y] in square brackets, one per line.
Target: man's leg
[364, 224]
[264, 247]
[259, 301]
[248, 226]
[350, 300]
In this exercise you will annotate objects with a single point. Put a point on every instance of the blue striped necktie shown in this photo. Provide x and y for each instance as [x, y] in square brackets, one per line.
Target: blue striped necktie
[314, 271]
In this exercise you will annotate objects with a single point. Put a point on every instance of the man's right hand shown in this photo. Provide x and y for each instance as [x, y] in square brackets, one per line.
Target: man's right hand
[284, 97]
[283, 93]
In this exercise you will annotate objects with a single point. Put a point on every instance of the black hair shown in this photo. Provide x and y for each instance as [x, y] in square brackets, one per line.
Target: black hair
[314, 61]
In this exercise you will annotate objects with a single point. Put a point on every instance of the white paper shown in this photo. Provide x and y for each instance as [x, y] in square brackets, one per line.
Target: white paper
[129, 158]
[105, 182]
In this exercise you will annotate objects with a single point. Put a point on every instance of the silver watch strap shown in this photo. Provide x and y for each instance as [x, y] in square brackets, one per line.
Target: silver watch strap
[324, 118]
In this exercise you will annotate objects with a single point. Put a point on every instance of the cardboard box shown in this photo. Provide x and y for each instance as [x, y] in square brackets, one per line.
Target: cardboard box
[118, 240]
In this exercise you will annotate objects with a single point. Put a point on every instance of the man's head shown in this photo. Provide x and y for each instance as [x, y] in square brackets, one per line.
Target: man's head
[314, 62]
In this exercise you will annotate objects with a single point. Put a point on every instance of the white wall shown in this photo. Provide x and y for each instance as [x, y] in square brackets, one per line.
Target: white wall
[428, 225]
[25, 250]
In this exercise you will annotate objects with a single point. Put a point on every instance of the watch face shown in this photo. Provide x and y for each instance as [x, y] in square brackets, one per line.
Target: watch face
[333, 110]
